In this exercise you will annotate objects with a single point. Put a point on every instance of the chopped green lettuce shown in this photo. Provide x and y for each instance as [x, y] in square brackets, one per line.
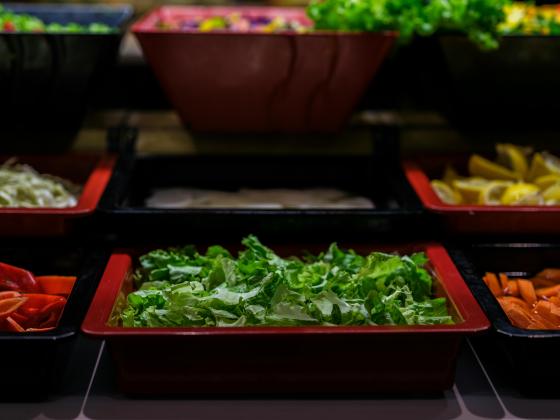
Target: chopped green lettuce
[180, 287]
[478, 19]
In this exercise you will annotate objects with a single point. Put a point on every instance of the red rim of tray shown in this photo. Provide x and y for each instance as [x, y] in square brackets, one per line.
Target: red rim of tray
[120, 265]
[421, 184]
[146, 24]
[89, 198]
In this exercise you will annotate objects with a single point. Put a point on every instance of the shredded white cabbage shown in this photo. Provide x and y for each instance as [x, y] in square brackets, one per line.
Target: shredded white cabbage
[22, 186]
[277, 198]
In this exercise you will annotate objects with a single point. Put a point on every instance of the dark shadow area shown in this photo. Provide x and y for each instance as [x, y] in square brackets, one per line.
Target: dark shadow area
[502, 376]
[474, 388]
[66, 402]
[105, 402]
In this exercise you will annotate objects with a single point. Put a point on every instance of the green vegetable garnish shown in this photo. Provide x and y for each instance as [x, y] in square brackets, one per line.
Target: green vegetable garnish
[479, 19]
[21, 22]
[525, 18]
[180, 287]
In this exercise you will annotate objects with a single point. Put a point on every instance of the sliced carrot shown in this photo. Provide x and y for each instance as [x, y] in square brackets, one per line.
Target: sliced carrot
[56, 285]
[545, 310]
[555, 309]
[493, 285]
[542, 282]
[514, 301]
[541, 323]
[527, 291]
[552, 274]
[555, 300]
[518, 316]
[512, 288]
[529, 303]
[503, 281]
[548, 291]
[536, 325]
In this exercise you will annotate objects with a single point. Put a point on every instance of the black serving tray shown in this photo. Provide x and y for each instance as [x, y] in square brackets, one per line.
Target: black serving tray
[398, 211]
[34, 363]
[531, 354]
[504, 90]
[514, 86]
[45, 78]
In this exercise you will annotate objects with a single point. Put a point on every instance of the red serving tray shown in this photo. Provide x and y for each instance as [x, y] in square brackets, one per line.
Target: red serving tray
[92, 172]
[287, 360]
[478, 219]
[228, 81]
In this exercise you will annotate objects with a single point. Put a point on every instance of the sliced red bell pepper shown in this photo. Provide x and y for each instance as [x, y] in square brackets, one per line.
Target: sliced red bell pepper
[50, 321]
[17, 279]
[31, 304]
[13, 325]
[7, 306]
[42, 310]
[39, 329]
[50, 314]
[9, 26]
[9, 295]
[19, 318]
[56, 285]
[36, 302]
[54, 306]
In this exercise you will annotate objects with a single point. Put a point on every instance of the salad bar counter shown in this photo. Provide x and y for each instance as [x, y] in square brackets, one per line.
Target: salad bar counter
[412, 278]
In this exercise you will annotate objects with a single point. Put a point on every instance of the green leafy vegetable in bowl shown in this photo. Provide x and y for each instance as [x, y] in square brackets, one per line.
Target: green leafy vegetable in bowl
[479, 19]
[21, 22]
[182, 288]
[22, 186]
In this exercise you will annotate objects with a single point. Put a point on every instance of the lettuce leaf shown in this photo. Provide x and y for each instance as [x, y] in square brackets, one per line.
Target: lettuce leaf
[180, 287]
[478, 19]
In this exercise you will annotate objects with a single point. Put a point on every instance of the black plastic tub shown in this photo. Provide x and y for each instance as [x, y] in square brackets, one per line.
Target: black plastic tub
[510, 88]
[412, 78]
[123, 209]
[34, 363]
[514, 86]
[531, 354]
[46, 78]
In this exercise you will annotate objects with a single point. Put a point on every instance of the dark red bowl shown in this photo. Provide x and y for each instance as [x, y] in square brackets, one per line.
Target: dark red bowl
[253, 82]
[89, 171]
[478, 219]
[316, 359]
